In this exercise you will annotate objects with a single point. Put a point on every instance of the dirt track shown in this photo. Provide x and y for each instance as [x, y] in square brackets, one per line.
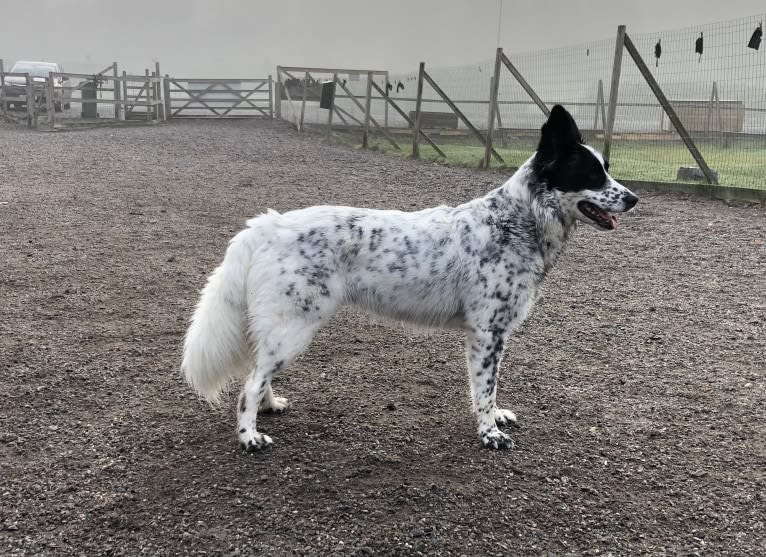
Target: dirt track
[639, 381]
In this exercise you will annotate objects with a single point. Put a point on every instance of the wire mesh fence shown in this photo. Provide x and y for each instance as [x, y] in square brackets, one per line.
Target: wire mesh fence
[713, 75]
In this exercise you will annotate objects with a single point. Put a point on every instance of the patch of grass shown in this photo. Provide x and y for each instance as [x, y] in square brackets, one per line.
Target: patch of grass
[740, 164]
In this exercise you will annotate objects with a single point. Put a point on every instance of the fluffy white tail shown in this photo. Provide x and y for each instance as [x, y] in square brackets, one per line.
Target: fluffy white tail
[216, 346]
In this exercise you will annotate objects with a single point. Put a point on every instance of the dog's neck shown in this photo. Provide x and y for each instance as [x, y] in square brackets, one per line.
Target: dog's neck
[552, 227]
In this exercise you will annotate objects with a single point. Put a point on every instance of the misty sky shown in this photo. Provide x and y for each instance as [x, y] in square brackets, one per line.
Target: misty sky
[241, 38]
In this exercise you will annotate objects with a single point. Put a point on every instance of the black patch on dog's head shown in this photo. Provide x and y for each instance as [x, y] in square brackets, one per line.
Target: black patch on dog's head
[561, 161]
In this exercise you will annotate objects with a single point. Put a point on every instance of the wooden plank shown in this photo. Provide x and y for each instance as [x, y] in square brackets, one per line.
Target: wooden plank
[287, 69]
[158, 90]
[669, 110]
[526, 86]
[613, 90]
[460, 115]
[193, 99]
[409, 120]
[367, 107]
[262, 81]
[418, 116]
[374, 122]
[495, 85]
[337, 111]
[148, 94]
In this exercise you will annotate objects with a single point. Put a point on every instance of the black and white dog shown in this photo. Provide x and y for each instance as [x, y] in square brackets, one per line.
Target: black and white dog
[478, 267]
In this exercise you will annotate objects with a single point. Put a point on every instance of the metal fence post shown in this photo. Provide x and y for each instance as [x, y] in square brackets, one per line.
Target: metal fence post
[613, 90]
[494, 86]
[418, 104]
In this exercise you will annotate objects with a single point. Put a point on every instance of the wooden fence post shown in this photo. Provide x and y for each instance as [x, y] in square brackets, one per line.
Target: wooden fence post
[159, 106]
[148, 86]
[332, 107]
[166, 98]
[385, 104]
[303, 101]
[367, 107]
[495, 85]
[50, 105]
[278, 95]
[116, 91]
[418, 119]
[30, 100]
[3, 104]
[613, 89]
[125, 95]
[271, 97]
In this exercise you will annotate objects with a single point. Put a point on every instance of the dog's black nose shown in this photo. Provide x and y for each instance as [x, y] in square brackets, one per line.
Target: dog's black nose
[630, 201]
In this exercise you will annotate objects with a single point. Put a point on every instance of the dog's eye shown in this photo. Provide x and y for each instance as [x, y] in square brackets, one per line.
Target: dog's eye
[606, 166]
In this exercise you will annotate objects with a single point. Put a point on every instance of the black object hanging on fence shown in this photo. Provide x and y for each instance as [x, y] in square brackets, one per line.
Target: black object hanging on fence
[698, 47]
[755, 39]
[327, 99]
[399, 87]
[657, 53]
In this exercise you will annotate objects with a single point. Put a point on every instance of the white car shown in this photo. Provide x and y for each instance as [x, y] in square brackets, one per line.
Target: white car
[39, 72]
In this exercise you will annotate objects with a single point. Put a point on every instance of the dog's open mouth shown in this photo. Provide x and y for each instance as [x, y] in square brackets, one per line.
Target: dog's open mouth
[602, 218]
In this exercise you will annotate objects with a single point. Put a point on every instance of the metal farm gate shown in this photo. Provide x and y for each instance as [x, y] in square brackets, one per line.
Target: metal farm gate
[218, 98]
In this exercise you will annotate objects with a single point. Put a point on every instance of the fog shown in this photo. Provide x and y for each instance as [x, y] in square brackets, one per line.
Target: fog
[240, 38]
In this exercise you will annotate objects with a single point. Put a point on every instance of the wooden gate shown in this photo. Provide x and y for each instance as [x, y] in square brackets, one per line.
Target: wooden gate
[218, 98]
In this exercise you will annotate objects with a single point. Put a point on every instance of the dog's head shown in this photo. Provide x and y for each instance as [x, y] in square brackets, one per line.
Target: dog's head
[578, 174]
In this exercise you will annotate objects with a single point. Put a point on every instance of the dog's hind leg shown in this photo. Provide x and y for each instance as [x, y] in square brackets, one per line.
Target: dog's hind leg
[485, 350]
[277, 349]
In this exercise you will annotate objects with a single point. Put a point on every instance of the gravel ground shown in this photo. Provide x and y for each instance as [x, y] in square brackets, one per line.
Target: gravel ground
[639, 380]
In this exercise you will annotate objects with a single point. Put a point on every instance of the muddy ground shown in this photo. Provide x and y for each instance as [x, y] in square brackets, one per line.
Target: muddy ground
[639, 380]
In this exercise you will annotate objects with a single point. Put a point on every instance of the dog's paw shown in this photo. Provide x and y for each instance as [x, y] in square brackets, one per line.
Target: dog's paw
[505, 418]
[277, 405]
[496, 439]
[251, 441]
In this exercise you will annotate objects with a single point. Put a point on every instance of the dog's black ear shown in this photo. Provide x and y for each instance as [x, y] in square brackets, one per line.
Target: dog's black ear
[559, 136]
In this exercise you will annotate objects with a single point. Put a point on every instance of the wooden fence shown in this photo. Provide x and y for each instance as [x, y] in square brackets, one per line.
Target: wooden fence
[218, 98]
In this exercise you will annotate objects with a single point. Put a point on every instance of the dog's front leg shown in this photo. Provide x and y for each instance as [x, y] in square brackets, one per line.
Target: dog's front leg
[485, 350]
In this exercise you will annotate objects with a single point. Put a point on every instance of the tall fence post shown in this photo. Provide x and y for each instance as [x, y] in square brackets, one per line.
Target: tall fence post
[418, 119]
[166, 98]
[50, 105]
[3, 104]
[116, 92]
[271, 97]
[303, 101]
[613, 90]
[495, 85]
[332, 107]
[385, 104]
[148, 86]
[278, 95]
[159, 106]
[367, 107]
[125, 95]
[30, 100]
